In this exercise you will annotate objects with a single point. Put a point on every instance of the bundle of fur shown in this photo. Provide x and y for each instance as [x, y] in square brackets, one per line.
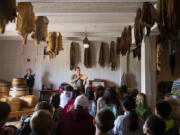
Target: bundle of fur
[7, 13]
[149, 16]
[102, 55]
[112, 58]
[137, 52]
[87, 58]
[138, 28]
[168, 11]
[25, 20]
[54, 44]
[40, 33]
[118, 49]
[72, 56]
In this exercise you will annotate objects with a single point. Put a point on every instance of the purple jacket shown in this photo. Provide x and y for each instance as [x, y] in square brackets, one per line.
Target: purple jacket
[77, 122]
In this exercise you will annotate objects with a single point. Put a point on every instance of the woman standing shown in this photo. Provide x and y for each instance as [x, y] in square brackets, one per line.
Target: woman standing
[30, 80]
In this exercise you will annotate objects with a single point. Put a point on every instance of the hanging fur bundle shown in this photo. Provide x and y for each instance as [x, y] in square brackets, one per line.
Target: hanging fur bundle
[72, 56]
[102, 55]
[112, 58]
[87, 58]
[25, 20]
[168, 17]
[54, 44]
[118, 49]
[40, 33]
[125, 40]
[137, 52]
[149, 16]
[7, 13]
[138, 28]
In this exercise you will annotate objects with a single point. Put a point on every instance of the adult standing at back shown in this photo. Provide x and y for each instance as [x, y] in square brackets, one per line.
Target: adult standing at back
[30, 80]
[76, 79]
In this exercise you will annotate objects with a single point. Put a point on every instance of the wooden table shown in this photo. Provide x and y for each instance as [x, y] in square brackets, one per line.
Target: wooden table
[43, 93]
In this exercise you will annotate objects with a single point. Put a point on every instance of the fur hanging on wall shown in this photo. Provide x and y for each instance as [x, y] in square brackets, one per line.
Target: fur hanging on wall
[125, 40]
[102, 55]
[25, 20]
[118, 49]
[41, 32]
[87, 57]
[72, 56]
[168, 12]
[54, 44]
[138, 28]
[112, 58]
[7, 13]
[137, 52]
[149, 16]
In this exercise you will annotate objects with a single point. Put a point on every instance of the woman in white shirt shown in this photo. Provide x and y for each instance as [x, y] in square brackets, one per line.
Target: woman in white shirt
[129, 123]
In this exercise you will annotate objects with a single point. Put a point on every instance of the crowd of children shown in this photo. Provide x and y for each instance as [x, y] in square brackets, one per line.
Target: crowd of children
[104, 112]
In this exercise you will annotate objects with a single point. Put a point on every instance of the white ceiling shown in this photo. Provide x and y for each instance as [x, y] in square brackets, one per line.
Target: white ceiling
[103, 19]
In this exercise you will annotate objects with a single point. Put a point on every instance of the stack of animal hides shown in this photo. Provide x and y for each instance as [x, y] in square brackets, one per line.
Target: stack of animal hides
[25, 20]
[7, 13]
[41, 32]
[54, 44]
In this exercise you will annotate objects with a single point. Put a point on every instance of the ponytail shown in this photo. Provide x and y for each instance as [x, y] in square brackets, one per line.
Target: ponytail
[133, 121]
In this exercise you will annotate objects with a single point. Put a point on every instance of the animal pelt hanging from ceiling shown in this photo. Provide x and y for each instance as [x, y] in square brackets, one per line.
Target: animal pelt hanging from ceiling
[54, 44]
[168, 17]
[102, 55]
[138, 28]
[118, 49]
[125, 40]
[25, 20]
[87, 57]
[41, 32]
[72, 56]
[149, 16]
[112, 58]
[137, 52]
[7, 13]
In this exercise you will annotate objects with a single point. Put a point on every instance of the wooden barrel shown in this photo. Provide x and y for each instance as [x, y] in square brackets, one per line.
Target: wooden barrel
[4, 89]
[19, 82]
[19, 91]
[175, 105]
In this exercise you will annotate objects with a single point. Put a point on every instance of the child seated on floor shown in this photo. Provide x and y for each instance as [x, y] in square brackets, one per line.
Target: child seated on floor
[163, 111]
[25, 126]
[4, 112]
[41, 123]
[104, 122]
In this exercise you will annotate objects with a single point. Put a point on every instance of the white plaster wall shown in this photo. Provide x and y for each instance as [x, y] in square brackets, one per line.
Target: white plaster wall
[13, 63]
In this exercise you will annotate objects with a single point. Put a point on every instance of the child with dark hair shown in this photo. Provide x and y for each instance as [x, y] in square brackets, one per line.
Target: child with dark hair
[41, 123]
[4, 112]
[129, 123]
[154, 126]
[99, 92]
[104, 122]
[109, 101]
[25, 125]
[92, 103]
[54, 102]
[163, 111]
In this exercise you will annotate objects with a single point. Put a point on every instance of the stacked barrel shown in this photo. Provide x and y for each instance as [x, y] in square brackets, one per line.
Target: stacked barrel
[4, 88]
[19, 88]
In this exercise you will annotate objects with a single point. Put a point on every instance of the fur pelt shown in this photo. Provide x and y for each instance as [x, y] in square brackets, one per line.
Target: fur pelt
[7, 13]
[54, 44]
[72, 56]
[25, 20]
[41, 32]
[102, 55]
[112, 58]
[87, 57]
